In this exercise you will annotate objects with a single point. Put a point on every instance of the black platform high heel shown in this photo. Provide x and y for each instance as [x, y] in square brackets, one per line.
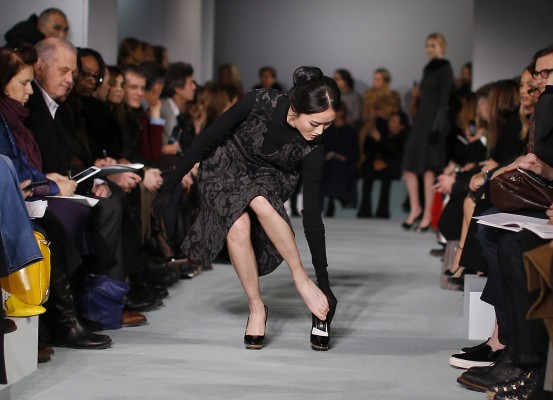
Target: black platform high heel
[408, 226]
[320, 334]
[256, 342]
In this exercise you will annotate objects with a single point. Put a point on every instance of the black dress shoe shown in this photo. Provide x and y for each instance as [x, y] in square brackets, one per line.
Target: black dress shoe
[320, 334]
[438, 253]
[78, 337]
[473, 348]
[481, 378]
[256, 342]
[523, 383]
[139, 298]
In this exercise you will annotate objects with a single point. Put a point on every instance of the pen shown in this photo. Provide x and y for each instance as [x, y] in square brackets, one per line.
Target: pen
[69, 174]
[105, 153]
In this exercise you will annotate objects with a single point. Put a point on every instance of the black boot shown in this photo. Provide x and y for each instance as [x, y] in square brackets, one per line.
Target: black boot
[65, 328]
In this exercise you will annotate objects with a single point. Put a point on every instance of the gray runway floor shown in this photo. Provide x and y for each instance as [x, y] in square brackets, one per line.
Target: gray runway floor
[393, 333]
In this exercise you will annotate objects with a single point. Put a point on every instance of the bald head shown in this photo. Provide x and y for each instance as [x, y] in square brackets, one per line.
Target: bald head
[52, 22]
[56, 68]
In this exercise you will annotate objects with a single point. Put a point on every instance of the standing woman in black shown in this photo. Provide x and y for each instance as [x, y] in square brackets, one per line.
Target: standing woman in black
[425, 150]
[251, 158]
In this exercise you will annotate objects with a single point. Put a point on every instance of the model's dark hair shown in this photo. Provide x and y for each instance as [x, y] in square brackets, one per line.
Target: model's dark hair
[176, 76]
[14, 60]
[346, 76]
[86, 52]
[313, 92]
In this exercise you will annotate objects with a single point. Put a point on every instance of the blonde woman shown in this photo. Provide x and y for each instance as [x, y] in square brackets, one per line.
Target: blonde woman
[425, 150]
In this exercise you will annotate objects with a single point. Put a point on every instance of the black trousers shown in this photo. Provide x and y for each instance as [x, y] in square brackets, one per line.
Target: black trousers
[527, 339]
[386, 176]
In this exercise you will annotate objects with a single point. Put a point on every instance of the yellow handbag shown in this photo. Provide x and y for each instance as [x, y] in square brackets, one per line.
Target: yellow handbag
[31, 284]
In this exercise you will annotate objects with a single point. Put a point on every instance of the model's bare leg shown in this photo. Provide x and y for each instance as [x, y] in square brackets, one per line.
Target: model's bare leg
[283, 239]
[428, 179]
[412, 184]
[243, 259]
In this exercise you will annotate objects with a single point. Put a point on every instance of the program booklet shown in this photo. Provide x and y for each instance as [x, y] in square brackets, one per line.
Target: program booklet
[516, 223]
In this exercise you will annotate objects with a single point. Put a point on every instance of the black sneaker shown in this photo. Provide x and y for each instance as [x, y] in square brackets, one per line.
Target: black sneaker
[482, 357]
[474, 348]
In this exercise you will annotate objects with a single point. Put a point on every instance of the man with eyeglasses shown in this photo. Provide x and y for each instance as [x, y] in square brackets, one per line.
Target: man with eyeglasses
[52, 22]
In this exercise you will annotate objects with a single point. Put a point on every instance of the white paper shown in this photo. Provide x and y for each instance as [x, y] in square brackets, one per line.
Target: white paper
[36, 209]
[516, 223]
[87, 201]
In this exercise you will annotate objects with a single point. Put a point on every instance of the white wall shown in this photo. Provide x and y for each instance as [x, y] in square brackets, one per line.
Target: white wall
[507, 34]
[14, 11]
[102, 28]
[176, 24]
[359, 35]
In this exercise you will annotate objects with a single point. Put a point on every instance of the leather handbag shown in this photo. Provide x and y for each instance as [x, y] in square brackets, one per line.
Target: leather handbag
[521, 190]
[31, 284]
[102, 300]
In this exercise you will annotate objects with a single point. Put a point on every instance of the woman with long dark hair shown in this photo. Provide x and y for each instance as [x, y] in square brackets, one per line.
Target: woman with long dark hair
[251, 158]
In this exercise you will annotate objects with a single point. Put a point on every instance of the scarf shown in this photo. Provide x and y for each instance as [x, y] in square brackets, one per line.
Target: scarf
[14, 113]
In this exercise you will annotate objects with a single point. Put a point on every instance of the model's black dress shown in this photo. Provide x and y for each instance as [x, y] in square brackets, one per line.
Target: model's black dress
[252, 151]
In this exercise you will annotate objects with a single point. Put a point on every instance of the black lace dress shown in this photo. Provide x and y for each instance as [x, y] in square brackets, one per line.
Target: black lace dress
[252, 151]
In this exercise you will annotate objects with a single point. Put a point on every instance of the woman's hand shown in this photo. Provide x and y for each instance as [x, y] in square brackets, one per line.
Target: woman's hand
[445, 183]
[125, 180]
[152, 179]
[477, 181]
[531, 162]
[488, 165]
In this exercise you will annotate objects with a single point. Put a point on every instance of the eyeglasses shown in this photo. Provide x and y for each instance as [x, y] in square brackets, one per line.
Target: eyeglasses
[532, 90]
[87, 75]
[544, 73]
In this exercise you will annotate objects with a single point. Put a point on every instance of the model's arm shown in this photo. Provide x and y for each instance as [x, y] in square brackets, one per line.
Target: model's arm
[312, 169]
[209, 139]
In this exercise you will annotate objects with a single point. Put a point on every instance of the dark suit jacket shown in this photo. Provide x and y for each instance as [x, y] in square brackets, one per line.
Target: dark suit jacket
[60, 149]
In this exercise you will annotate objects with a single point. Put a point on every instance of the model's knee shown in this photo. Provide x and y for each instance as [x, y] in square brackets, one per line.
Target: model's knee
[240, 230]
[261, 206]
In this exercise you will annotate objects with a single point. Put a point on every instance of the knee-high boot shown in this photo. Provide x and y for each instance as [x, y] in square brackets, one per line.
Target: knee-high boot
[65, 328]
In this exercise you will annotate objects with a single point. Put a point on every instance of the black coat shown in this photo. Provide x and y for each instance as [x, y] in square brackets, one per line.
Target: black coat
[425, 149]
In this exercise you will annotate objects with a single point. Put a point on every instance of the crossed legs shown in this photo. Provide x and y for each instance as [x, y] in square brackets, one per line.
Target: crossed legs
[243, 259]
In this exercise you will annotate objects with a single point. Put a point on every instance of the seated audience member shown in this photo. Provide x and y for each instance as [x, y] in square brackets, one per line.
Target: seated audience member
[115, 96]
[149, 53]
[179, 89]
[65, 222]
[383, 152]
[349, 97]
[228, 74]
[340, 168]
[131, 51]
[161, 56]
[52, 22]
[268, 79]
[379, 101]
[521, 363]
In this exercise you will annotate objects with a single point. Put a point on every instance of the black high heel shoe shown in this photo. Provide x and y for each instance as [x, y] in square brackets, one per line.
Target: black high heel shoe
[320, 334]
[255, 342]
[422, 229]
[408, 227]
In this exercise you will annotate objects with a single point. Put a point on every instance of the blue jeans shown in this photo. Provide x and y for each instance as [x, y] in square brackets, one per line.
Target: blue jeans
[19, 247]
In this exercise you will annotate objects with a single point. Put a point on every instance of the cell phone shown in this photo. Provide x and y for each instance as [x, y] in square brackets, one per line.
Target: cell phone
[35, 184]
[87, 173]
[472, 128]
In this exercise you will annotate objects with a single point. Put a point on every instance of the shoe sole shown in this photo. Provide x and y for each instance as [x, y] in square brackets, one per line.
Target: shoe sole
[254, 346]
[100, 347]
[465, 364]
[471, 386]
[319, 348]
[133, 325]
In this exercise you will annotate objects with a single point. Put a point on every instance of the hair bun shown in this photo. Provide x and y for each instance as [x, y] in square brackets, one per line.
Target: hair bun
[306, 74]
